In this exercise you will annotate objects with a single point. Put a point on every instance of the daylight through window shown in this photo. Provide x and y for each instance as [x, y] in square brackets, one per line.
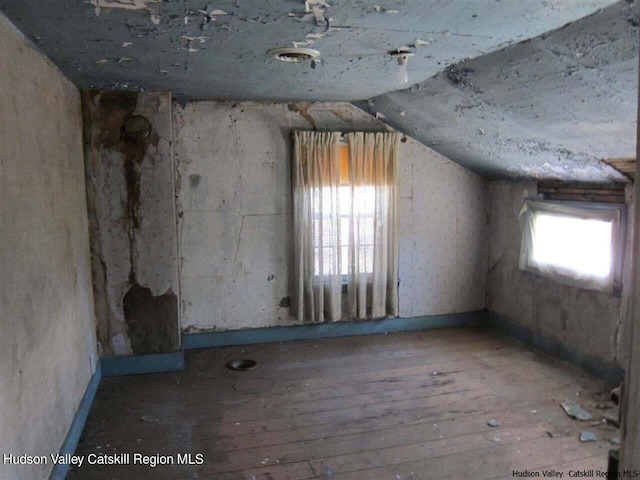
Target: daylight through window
[359, 204]
[577, 244]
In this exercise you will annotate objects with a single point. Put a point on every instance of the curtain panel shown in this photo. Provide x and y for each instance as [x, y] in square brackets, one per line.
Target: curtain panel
[345, 227]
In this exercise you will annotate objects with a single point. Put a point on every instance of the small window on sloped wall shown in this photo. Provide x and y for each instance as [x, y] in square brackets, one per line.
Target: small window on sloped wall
[576, 243]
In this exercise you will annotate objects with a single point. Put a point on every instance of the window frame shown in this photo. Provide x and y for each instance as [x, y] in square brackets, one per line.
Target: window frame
[372, 218]
[344, 183]
[615, 213]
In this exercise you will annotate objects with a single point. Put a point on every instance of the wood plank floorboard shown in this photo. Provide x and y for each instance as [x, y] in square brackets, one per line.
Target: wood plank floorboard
[403, 406]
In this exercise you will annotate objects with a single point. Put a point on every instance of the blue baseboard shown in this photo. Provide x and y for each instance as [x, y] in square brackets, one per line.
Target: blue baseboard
[139, 364]
[70, 443]
[608, 371]
[325, 330]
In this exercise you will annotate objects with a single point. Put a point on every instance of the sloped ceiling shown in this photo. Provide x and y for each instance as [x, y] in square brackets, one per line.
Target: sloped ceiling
[551, 107]
[497, 87]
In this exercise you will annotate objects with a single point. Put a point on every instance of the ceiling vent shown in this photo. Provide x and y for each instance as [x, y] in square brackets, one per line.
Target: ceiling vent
[294, 55]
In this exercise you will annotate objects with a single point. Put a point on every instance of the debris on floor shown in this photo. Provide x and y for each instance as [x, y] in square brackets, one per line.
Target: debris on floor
[575, 411]
[615, 440]
[587, 436]
[612, 417]
[493, 423]
[149, 419]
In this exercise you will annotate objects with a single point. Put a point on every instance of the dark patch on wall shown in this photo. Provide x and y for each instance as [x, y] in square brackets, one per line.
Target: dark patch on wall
[137, 127]
[111, 112]
[152, 321]
[194, 180]
[110, 123]
[285, 302]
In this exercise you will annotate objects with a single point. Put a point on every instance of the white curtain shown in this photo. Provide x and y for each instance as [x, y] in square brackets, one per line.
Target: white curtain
[373, 246]
[345, 226]
[317, 279]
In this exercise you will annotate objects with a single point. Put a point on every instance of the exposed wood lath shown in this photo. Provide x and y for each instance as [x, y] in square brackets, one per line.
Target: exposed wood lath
[626, 166]
[583, 192]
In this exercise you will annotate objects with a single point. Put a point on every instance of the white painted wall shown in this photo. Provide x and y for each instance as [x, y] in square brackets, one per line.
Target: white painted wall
[234, 215]
[47, 341]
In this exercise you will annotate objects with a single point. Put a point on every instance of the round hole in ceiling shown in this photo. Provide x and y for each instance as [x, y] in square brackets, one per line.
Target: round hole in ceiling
[294, 55]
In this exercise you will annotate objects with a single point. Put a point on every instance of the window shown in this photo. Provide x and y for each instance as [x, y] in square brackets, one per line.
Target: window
[345, 225]
[359, 203]
[579, 244]
[337, 239]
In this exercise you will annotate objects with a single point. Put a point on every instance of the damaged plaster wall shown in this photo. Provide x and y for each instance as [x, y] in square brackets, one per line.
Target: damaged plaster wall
[47, 338]
[592, 322]
[129, 170]
[233, 185]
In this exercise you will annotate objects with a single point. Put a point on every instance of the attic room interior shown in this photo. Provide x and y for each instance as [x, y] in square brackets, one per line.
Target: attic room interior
[291, 240]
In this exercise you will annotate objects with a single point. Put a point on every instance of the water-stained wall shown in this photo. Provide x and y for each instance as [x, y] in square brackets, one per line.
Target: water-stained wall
[233, 189]
[591, 322]
[47, 337]
[129, 171]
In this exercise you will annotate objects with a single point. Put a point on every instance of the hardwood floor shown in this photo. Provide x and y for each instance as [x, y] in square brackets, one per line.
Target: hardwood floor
[400, 406]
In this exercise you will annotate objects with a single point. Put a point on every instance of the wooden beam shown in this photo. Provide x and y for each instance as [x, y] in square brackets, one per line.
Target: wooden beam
[583, 192]
[626, 166]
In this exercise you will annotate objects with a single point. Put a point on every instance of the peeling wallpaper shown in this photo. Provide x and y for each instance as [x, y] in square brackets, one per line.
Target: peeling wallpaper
[132, 223]
[234, 215]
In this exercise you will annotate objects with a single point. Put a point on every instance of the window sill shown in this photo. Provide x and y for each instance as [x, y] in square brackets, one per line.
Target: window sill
[535, 275]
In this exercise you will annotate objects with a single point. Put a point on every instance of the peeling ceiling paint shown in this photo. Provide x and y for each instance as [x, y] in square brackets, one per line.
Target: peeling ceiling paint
[149, 44]
[509, 89]
[551, 107]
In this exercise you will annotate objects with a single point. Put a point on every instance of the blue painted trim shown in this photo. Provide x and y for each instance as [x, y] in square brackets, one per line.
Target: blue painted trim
[138, 364]
[70, 443]
[325, 330]
[608, 371]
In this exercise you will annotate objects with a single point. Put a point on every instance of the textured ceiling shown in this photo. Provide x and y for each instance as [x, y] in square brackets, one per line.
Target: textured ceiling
[552, 107]
[192, 49]
[507, 88]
